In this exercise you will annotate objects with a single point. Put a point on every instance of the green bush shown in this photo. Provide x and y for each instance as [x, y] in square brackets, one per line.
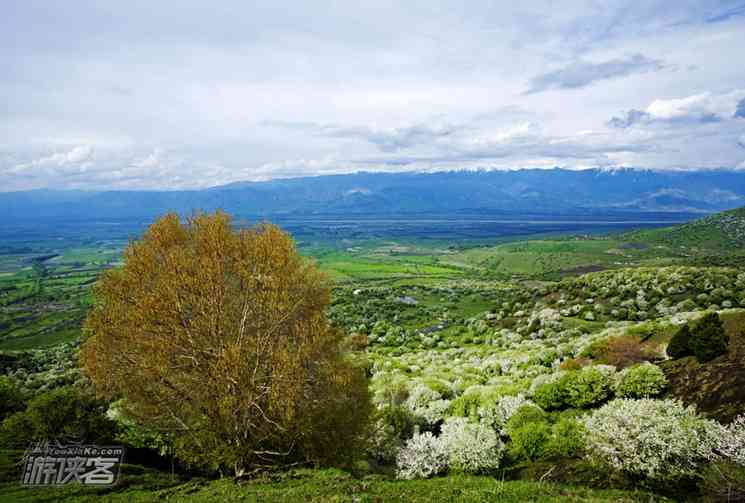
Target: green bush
[576, 388]
[466, 405]
[585, 388]
[527, 414]
[439, 386]
[549, 396]
[64, 414]
[567, 438]
[530, 441]
[11, 397]
[679, 344]
[401, 420]
[708, 339]
[641, 381]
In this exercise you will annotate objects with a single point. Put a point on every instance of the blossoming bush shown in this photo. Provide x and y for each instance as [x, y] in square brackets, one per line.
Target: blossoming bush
[471, 447]
[427, 404]
[659, 439]
[496, 414]
[423, 456]
[640, 381]
[732, 442]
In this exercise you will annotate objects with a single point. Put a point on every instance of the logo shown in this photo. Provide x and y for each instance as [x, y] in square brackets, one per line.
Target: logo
[49, 463]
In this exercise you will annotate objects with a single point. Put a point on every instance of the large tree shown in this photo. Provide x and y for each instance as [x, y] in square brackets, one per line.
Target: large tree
[219, 337]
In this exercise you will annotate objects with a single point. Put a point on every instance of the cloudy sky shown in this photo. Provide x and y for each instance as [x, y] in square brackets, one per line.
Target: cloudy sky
[181, 94]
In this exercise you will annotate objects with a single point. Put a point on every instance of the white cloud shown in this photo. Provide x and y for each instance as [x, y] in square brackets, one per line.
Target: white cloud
[78, 157]
[367, 85]
[150, 161]
[704, 107]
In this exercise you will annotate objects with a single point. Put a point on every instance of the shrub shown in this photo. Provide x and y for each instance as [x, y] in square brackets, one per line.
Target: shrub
[530, 441]
[526, 414]
[567, 437]
[427, 404]
[640, 381]
[708, 339]
[384, 443]
[471, 447]
[732, 442]
[423, 456]
[498, 413]
[574, 363]
[402, 421]
[64, 414]
[466, 405]
[585, 388]
[549, 396]
[659, 439]
[679, 344]
[440, 387]
[576, 388]
[11, 397]
[221, 337]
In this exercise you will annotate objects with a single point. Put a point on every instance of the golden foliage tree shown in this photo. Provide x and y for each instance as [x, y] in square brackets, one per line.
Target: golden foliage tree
[219, 337]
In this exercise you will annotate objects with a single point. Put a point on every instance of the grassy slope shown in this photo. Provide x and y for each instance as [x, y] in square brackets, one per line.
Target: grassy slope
[320, 486]
[719, 232]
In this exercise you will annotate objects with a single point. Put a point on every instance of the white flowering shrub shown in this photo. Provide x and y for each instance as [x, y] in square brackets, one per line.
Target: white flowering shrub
[498, 413]
[471, 447]
[731, 444]
[659, 439]
[423, 456]
[427, 404]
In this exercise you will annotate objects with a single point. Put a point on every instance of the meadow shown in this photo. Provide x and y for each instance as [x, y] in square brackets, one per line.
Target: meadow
[530, 337]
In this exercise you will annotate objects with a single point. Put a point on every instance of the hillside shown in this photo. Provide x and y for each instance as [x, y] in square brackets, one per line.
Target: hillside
[723, 232]
[530, 191]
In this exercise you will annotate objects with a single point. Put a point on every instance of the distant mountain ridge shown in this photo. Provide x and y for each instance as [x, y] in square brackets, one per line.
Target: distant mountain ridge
[529, 191]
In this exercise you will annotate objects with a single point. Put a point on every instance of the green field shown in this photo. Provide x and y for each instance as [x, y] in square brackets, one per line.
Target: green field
[325, 486]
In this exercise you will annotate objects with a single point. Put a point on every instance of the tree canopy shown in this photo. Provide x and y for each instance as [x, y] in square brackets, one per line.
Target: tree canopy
[219, 337]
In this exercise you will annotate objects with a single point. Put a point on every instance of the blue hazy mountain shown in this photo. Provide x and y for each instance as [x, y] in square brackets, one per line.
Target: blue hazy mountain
[552, 191]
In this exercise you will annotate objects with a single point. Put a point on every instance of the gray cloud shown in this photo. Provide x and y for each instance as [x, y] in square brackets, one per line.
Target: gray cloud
[582, 73]
[386, 139]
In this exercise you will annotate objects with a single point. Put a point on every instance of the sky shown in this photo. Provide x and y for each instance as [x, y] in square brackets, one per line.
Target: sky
[189, 94]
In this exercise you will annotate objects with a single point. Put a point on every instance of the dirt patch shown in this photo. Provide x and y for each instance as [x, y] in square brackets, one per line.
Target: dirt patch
[716, 388]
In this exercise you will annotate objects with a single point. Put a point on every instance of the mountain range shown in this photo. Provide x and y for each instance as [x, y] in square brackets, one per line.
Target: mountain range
[530, 191]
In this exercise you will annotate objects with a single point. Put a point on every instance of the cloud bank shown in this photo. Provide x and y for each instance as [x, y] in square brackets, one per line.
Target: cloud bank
[102, 95]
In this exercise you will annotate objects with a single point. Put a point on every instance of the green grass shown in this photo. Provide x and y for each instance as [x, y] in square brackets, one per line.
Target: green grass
[540, 258]
[319, 486]
[38, 341]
